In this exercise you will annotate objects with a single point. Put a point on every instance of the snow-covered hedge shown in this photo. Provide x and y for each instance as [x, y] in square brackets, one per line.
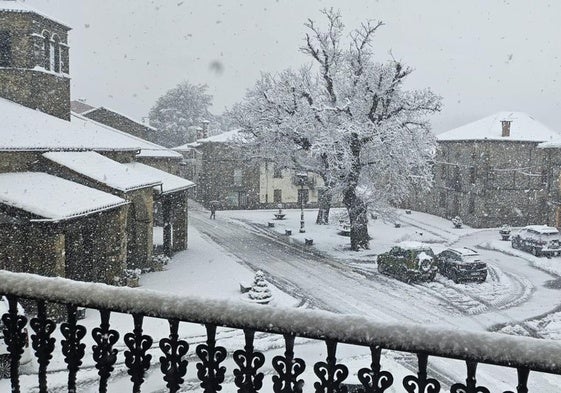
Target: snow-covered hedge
[493, 348]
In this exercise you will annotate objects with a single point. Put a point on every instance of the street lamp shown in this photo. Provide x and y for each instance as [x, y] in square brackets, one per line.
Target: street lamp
[302, 178]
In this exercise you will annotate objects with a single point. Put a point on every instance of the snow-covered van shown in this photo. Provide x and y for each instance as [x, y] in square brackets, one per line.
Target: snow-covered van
[4, 355]
[409, 261]
[538, 240]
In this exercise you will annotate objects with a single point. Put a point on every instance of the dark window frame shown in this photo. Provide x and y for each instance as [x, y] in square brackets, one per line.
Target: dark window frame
[6, 56]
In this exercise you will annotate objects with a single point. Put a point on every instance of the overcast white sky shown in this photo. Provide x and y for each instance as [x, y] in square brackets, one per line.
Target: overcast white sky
[481, 56]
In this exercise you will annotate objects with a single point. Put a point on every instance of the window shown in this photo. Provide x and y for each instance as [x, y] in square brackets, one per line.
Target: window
[471, 204]
[56, 54]
[303, 196]
[238, 177]
[442, 199]
[472, 175]
[277, 172]
[47, 50]
[5, 49]
[277, 196]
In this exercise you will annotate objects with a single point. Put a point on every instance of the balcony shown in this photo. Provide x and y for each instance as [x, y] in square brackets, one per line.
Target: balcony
[172, 355]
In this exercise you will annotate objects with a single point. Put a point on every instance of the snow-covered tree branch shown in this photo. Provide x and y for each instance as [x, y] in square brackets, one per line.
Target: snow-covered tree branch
[348, 118]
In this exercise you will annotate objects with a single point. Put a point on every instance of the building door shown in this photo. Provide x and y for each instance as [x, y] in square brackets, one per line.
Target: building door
[242, 199]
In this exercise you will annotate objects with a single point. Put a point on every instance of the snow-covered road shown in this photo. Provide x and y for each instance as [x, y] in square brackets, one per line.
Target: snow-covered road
[515, 290]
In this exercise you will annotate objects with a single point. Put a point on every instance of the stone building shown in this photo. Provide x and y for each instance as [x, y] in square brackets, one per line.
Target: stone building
[551, 152]
[34, 59]
[223, 174]
[491, 172]
[113, 119]
[152, 154]
[56, 227]
[69, 204]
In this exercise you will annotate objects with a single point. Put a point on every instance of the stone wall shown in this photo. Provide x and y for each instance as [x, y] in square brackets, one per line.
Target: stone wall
[121, 122]
[140, 217]
[26, 80]
[90, 248]
[488, 183]
[18, 161]
[226, 178]
[166, 164]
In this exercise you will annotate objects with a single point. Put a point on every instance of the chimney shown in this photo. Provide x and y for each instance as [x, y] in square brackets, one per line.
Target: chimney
[506, 127]
[205, 124]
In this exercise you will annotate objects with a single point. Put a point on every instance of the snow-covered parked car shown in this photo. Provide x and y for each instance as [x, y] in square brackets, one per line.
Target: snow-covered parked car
[461, 264]
[409, 262]
[538, 240]
[4, 354]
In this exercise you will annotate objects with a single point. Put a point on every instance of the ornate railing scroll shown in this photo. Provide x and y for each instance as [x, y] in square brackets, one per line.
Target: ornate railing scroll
[251, 370]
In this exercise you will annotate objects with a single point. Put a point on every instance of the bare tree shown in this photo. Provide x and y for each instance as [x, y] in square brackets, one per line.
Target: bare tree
[348, 118]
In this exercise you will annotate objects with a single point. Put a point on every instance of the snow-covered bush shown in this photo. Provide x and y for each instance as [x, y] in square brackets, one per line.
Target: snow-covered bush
[457, 221]
[260, 292]
[129, 278]
[160, 260]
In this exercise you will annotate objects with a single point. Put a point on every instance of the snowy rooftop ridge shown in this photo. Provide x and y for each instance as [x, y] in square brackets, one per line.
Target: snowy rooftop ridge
[225, 137]
[523, 127]
[83, 108]
[25, 129]
[147, 148]
[51, 197]
[18, 6]
[103, 170]
[169, 182]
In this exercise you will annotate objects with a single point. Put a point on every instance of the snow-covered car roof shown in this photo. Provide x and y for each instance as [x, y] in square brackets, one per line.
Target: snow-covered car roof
[464, 251]
[411, 245]
[542, 229]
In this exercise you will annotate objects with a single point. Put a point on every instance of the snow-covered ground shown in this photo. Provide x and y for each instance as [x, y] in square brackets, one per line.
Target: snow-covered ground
[211, 271]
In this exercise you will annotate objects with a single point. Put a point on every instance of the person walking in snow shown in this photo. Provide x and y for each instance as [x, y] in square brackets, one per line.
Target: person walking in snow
[213, 210]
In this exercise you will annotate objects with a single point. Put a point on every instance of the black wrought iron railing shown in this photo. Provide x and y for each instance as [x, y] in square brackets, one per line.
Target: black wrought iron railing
[523, 354]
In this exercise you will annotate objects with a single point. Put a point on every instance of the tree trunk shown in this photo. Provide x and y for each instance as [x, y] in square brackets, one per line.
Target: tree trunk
[324, 204]
[358, 216]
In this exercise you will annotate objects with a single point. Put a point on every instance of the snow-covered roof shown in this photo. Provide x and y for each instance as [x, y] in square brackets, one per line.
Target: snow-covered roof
[170, 183]
[412, 245]
[147, 148]
[103, 170]
[18, 6]
[523, 127]
[79, 106]
[51, 197]
[25, 129]
[228, 136]
[100, 108]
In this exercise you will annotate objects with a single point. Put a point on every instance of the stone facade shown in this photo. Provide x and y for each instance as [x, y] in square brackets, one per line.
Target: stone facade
[120, 122]
[139, 219]
[226, 178]
[87, 248]
[489, 183]
[35, 63]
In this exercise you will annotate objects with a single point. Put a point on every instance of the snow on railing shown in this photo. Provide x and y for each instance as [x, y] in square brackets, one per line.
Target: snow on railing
[522, 353]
